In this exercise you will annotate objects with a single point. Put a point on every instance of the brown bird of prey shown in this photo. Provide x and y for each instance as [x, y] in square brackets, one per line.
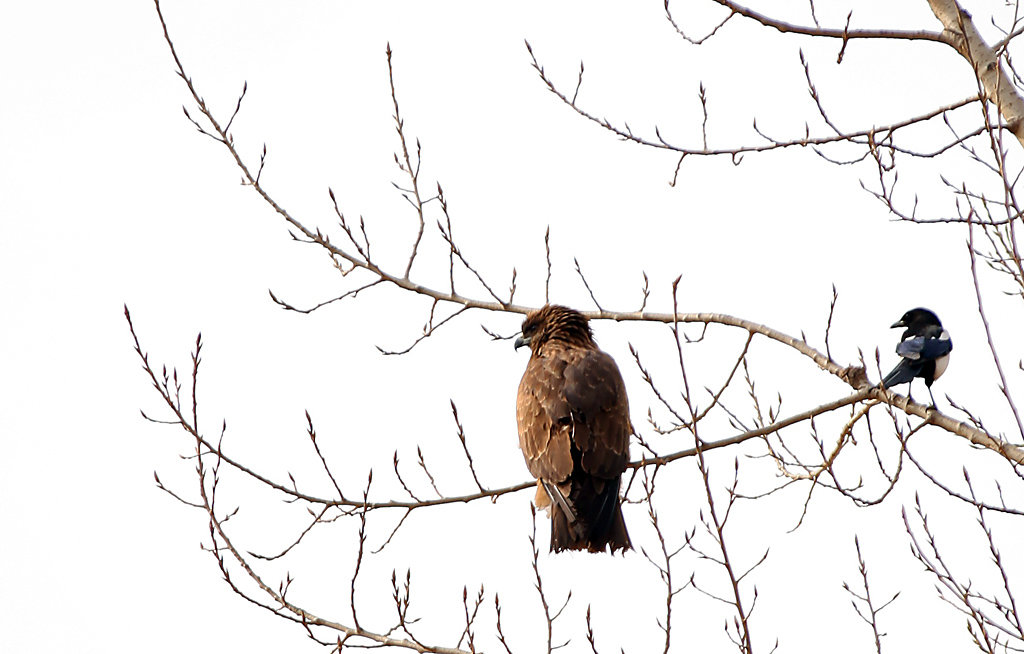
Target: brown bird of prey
[574, 430]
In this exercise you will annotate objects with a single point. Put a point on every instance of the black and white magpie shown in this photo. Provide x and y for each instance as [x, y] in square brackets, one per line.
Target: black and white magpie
[924, 350]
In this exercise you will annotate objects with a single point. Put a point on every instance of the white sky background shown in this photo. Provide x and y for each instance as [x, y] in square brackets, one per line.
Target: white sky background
[108, 196]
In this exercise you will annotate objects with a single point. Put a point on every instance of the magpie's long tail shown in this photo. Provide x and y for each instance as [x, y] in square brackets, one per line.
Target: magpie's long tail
[904, 372]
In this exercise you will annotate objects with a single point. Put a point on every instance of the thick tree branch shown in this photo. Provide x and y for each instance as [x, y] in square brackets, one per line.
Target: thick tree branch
[964, 36]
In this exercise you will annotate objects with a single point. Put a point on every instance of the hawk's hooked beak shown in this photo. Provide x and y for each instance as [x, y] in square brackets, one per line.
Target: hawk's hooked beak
[521, 341]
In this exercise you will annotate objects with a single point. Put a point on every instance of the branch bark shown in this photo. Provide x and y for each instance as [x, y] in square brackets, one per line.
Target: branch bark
[998, 86]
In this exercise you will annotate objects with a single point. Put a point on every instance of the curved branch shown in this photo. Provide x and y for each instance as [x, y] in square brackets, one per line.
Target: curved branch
[844, 34]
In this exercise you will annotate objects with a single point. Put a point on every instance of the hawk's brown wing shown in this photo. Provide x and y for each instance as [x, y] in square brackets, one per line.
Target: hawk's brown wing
[596, 396]
[578, 395]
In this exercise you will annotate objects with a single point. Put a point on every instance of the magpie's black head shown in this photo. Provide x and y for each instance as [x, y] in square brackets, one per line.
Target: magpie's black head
[917, 321]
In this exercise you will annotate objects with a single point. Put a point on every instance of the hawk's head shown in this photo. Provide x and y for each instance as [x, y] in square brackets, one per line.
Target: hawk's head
[553, 322]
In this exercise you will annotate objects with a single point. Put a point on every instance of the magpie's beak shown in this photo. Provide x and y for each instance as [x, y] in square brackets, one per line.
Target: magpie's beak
[898, 323]
[521, 341]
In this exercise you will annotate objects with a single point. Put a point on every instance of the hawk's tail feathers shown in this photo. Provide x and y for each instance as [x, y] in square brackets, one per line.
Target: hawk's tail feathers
[598, 524]
[558, 504]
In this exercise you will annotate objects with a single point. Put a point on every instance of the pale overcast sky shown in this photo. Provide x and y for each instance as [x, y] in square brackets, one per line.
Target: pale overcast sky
[108, 196]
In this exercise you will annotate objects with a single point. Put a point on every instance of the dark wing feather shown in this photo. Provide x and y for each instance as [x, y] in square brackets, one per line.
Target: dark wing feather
[596, 395]
[911, 348]
[928, 343]
[935, 348]
[925, 348]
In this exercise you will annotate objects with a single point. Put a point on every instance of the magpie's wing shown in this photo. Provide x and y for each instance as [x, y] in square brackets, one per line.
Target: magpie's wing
[936, 348]
[924, 348]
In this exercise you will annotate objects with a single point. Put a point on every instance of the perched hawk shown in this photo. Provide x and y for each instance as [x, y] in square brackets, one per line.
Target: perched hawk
[574, 430]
